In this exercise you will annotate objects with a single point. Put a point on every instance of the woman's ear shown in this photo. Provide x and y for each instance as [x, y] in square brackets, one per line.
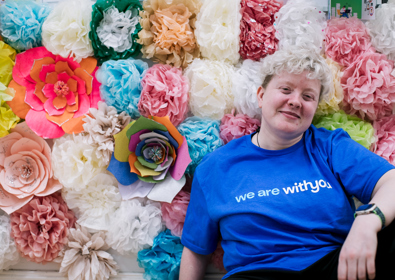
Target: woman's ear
[259, 95]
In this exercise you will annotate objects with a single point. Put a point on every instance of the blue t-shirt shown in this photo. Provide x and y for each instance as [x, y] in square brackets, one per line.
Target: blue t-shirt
[282, 209]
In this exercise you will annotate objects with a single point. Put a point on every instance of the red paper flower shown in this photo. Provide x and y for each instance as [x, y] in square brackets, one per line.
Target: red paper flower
[235, 126]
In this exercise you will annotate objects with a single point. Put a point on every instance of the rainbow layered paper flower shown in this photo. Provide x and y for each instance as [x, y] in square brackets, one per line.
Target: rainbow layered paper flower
[53, 93]
[150, 159]
[25, 168]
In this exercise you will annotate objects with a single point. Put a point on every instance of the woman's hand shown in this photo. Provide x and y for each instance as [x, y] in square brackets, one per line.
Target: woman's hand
[357, 256]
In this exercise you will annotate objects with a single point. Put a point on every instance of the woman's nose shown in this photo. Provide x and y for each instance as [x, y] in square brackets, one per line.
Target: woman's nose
[294, 101]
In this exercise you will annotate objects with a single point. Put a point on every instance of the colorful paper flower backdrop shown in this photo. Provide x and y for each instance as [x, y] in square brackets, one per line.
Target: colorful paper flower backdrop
[100, 147]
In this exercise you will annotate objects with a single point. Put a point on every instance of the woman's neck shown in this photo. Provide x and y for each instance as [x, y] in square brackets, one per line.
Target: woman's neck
[270, 141]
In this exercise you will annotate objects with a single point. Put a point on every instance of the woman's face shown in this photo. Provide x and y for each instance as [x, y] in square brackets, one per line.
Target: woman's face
[288, 104]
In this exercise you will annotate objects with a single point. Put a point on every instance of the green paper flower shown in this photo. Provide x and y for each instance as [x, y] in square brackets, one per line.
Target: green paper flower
[114, 29]
[359, 130]
[8, 119]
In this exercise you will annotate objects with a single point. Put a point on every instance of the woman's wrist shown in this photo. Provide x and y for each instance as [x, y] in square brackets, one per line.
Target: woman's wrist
[368, 222]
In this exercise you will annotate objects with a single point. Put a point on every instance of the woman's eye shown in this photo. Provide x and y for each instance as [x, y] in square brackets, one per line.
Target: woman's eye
[286, 90]
[308, 97]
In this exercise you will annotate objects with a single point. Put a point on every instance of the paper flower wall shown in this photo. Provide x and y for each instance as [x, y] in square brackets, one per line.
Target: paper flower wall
[217, 258]
[114, 29]
[53, 93]
[65, 32]
[150, 159]
[21, 22]
[385, 135]
[40, 228]
[8, 119]
[8, 253]
[121, 84]
[257, 37]
[7, 61]
[234, 126]
[25, 168]
[164, 93]
[174, 213]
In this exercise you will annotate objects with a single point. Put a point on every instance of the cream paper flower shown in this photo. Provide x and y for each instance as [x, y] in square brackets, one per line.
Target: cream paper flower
[8, 252]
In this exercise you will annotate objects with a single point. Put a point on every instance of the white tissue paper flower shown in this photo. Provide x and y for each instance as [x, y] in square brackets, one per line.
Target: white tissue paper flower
[8, 252]
[246, 81]
[66, 30]
[300, 24]
[218, 30]
[96, 202]
[116, 27]
[134, 225]
[101, 126]
[75, 162]
[210, 88]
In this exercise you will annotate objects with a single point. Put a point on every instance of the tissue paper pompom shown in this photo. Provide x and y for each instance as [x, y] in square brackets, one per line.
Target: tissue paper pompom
[245, 83]
[163, 260]
[85, 256]
[210, 88]
[164, 93]
[346, 39]
[7, 61]
[168, 31]
[257, 36]
[300, 24]
[121, 84]
[385, 136]
[95, 204]
[382, 30]
[40, 228]
[134, 225]
[218, 29]
[173, 213]
[359, 130]
[8, 119]
[330, 102]
[21, 22]
[369, 87]
[114, 29]
[8, 252]
[217, 258]
[202, 136]
[66, 29]
[75, 162]
[235, 126]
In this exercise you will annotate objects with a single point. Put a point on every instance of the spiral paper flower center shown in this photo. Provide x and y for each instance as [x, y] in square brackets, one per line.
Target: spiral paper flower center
[61, 88]
[25, 171]
[155, 153]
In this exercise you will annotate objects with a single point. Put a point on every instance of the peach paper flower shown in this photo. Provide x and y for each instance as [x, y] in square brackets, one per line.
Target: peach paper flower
[25, 168]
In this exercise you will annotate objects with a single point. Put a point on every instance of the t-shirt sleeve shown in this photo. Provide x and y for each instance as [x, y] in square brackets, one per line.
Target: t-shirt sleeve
[357, 168]
[200, 233]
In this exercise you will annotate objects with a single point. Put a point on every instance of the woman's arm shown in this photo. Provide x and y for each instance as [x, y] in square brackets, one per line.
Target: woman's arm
[357, 256]
[193, 265]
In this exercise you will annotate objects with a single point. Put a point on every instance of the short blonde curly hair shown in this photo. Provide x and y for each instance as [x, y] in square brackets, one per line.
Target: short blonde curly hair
[296, 61]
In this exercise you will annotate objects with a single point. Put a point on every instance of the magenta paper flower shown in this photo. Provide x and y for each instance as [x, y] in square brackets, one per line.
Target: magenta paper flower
[235, 126]
[173, 214]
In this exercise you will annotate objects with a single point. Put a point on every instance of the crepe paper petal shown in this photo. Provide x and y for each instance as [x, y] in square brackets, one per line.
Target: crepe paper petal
[300, 24]
[369, 86]
[174, 214]
[114, 29]
[359, 130]
[166, 191]
[9, 255]
[121, 150]
[234, 126]
[121, 171]
[211, 88]
[95, 97]
[121, 84]
[381, 30]
[346, 39]
[8, 119]
[20, 108]
[38, 122]
[135, 139]
[171, 128]
[257, 36]
[168, 34]
[136, 189]
[384, 133]
[144, 123]
[66, 30]
[177, 171]
[217, 258]
[7, 61]
[20, 23]
[74, 125]
[164, 93]
[218, 30]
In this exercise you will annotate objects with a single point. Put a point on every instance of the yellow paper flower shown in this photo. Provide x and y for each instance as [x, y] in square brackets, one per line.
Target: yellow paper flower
[8, 119]
[7, 61]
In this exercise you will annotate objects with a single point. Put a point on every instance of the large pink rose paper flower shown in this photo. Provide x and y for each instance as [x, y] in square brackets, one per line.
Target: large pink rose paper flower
[25, 168]
[40, 228]
[235, 126]
[164, 93]
[369, 87]
[385, 136]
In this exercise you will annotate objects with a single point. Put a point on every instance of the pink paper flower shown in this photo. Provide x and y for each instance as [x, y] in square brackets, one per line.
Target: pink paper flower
[235, 126]
[164, 93]
[217, 257]
[385, 136]
[53, 93]
[40, 228]
[173, 214]
[257, 36]
[25, 168]
[369, 87]
[346, 39]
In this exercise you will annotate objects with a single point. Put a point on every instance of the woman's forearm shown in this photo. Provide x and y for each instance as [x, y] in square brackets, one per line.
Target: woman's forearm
[193, 265]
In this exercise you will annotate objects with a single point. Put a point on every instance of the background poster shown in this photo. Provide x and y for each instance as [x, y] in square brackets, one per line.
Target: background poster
[363, 9]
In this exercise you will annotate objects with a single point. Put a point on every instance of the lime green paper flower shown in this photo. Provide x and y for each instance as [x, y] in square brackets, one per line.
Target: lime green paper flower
[7, 61]
[8, 119]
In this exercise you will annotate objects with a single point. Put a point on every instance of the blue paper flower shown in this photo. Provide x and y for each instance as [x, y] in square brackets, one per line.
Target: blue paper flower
[121, 84]
[20, 23]
[202, 136]
[162, 261]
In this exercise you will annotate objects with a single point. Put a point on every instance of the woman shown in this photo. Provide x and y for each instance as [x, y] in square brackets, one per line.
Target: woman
[282, 198]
